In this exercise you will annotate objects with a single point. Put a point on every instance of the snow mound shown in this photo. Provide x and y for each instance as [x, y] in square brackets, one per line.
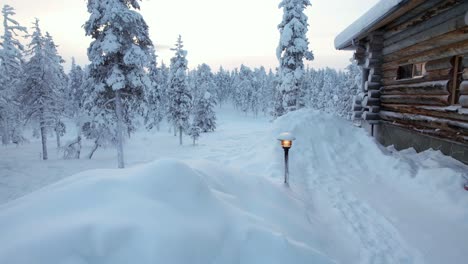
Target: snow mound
[166, 211]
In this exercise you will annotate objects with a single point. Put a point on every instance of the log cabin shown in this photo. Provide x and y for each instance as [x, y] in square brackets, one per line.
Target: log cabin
[414, 60]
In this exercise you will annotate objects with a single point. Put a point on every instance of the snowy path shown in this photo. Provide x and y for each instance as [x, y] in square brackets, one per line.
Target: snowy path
[380, 240]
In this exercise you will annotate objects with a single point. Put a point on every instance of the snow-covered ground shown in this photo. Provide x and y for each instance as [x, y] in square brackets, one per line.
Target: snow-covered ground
[223, 201]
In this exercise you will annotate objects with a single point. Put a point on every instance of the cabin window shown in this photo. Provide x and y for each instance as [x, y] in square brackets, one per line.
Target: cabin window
[410, 71]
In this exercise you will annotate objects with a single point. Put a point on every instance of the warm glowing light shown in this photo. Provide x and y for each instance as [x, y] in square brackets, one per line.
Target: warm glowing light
[286, 139]
[286, 143]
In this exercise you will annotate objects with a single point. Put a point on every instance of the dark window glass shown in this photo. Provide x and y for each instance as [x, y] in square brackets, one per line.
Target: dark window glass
[405, 72]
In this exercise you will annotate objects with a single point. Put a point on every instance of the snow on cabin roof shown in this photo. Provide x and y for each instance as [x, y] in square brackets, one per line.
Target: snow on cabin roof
[377, 13]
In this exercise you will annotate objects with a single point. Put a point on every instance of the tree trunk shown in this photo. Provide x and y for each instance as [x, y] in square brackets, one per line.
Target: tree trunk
[96, 146]
[180, 135]
[44, 140]
[5, 134]
[175, 130]
[194, 141]
[57, 135]
[119, 130]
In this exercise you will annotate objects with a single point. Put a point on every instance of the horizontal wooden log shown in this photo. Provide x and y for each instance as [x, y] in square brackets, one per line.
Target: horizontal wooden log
[371, 86]
[361, 96]
[423, 88]
[374, 78]
[429, 21]
[427, 121]
[375, 71]
[438, 52]
[440, 100]
[367, 102]
[434, 46]
[372, 63]
[463, 101]
[435, 31]
[374, 47]
[375, 55]
[360, 58]
[464, 88]
[374, 109]
[370, 116]
[357, 108]
[356, 116]
[440, 64]
[447, 112]
[357, 104]
[411, 17]
[373, 94]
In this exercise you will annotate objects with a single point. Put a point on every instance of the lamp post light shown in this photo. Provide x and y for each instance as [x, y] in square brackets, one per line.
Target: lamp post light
[286, 140]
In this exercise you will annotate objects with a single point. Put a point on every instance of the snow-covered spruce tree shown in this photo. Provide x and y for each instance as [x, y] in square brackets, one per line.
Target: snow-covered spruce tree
[42, 85]
[75, 109]
[11, 71]
[180, 100]
[292, 49]
[119, 55]
[243, 89]
[203, 81]
[352, 85]
[259, 93]
[194, 132]
[55, 61]
[223, 83]
[154, 97]
[204, 114]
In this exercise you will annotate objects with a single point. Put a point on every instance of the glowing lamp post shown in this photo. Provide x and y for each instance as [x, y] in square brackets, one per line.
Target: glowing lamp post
[286, 140]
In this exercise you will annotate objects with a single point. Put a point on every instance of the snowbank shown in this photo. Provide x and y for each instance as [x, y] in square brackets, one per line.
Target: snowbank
[163, 212]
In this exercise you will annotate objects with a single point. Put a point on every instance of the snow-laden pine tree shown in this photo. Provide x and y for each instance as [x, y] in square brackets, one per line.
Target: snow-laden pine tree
[42, 85]
[120, 56]
[243, 89]
[57, 73]
[352, 84]
[99, 132]
[75, 109]
[223, 83]
[203, 81]
[11, 72]
[259, 92]
[204, 114]
[292, 49]
[154, 97]
[194, 132]
[162, 80]
[180, 100]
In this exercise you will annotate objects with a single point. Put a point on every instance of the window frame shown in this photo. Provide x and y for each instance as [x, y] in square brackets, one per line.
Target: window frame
[413, 70]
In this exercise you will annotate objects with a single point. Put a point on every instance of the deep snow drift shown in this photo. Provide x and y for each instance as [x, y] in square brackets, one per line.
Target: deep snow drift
[349, 201]
[162, 212]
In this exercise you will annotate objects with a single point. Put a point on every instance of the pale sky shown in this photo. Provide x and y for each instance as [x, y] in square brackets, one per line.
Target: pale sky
[216, 32]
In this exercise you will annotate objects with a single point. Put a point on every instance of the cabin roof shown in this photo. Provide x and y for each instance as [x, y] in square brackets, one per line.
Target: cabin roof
[364, 25]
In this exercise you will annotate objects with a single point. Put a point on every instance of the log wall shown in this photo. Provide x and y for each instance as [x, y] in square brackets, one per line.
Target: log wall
[434, 33]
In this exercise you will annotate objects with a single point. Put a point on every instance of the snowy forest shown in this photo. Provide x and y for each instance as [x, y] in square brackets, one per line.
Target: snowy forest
[178, 148]
[107, 103]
